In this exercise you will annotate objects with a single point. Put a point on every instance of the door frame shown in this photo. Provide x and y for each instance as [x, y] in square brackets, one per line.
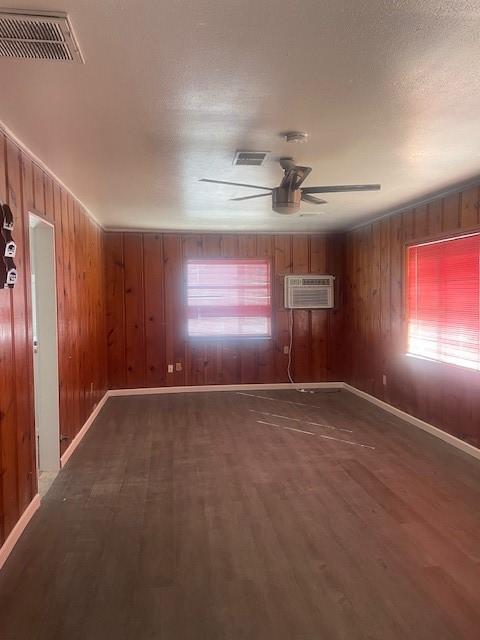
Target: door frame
[50, 411]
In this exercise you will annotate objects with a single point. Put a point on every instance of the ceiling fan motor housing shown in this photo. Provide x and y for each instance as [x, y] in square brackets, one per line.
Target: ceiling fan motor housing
[285, 200]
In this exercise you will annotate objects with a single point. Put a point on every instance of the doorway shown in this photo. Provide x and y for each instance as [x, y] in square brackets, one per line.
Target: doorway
[45, 350]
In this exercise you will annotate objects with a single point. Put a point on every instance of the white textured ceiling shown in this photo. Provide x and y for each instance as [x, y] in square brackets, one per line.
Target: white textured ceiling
[389, 92]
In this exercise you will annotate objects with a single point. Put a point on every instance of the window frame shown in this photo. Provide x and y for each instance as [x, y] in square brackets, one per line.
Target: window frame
[442, 236]
[229, 337]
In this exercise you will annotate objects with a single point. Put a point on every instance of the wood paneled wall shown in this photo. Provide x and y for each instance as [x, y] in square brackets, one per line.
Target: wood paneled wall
[81, 325]
[146, 315]
[375, 332]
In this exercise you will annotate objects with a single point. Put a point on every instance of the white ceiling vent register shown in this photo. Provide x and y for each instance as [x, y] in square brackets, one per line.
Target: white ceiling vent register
[309, 292]
[39, 35]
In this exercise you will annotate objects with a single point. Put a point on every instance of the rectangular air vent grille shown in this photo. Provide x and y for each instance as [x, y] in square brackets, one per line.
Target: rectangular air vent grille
[250, 158]
[304, 298]
[307, 282]
[39, 36]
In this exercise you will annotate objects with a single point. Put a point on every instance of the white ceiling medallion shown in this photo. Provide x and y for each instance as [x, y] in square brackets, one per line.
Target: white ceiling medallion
[296, 136]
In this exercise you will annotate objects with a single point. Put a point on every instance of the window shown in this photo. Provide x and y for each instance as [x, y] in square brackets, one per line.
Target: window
[228, 298]
[444, 301]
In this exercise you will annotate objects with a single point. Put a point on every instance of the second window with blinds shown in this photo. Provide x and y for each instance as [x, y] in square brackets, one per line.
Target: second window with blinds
[229, 298]
[443, 287]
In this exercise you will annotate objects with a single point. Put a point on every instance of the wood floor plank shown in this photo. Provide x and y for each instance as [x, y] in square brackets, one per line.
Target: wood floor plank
[182, 517]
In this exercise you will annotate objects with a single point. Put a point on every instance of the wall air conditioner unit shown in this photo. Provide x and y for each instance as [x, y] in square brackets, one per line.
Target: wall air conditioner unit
[309, 292]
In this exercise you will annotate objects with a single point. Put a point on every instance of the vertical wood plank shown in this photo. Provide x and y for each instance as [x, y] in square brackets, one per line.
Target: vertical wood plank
[397, 346]
[282, 321]
[408, 225]
[80, 282]
[22, 344]
[134, 310]
[383, 354]
[420, 221]
[435, 212]
[115, 315]
[174, 316]
[61, 318]
[75, 319]
[26, 181]
[318, 254]
[469, 208]
[247, 246]
[451, 212]
[229, 246]
[335, 265]
[212, 246]
[66, 428]
[263, 351]
[196, 358]
[38, 190]
[301, 351]
[8, 417]
[229, 351]
[154, 310]
[318, 317]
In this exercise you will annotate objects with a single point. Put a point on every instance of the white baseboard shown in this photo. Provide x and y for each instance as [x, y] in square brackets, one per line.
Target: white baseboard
[416, 422]
[78, 438]
[224, 387]
[18, 529]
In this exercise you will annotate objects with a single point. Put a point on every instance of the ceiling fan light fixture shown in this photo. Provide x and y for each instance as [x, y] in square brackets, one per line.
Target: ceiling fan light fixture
[289, 195]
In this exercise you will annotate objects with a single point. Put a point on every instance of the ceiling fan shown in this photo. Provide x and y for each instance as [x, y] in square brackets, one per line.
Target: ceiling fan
[288, 197]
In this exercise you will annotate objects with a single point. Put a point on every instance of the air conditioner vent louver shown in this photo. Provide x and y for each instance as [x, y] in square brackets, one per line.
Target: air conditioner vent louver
[249, 158]
[309, 292]
[39, 36]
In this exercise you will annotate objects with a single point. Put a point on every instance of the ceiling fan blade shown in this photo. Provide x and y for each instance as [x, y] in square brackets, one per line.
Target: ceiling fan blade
[308, 198]
[340, 188]
[236, 184]
[259, 195]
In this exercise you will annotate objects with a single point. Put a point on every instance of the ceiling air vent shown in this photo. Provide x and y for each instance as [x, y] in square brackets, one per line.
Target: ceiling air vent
[39, 36]
[249, 158]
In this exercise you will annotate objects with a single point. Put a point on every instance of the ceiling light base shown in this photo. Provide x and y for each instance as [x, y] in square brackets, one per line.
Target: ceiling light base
[296, 136]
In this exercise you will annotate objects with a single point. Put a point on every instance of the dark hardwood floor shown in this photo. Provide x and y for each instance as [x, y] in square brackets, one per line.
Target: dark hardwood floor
[213, 516]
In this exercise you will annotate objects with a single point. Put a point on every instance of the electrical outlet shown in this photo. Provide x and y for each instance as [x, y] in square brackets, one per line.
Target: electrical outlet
[178, 366]
[384, 380]
[286, 349]
[170, 368]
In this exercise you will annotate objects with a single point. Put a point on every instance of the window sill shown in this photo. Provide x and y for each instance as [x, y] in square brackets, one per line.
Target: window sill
[415, 356]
